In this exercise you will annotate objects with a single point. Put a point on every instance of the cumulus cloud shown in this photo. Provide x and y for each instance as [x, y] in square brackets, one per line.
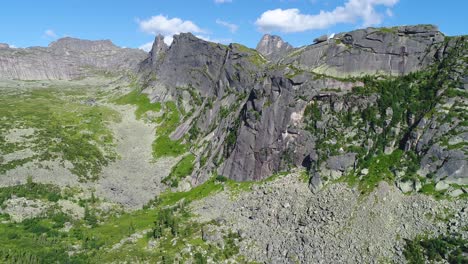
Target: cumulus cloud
[206, 38]
[222, 1]
[232, 27]
[146, 47]
[292, 20]
[50, 34]
[168, 26]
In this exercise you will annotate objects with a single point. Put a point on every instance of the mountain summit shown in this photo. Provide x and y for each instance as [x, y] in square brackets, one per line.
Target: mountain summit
[273, 47]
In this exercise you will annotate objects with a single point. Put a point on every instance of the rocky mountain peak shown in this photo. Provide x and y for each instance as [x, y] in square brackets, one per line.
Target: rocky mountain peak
[4, 46]
[159, 48]
[186, 39]
[69, 43]
[273, 47]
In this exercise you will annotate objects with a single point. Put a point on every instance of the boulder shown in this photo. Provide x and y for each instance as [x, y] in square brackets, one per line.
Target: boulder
[406, 186]
[456, 193]
[320, 39]
[441, 186]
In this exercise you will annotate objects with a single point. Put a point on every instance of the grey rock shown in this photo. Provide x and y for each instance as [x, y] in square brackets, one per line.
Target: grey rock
[369, 51]
[405, 186]
[342, 162]
[273, 47]
[441, 186]
[456, 193]
[67, 59]
[315, 184]
[321, 39]
[157, 51]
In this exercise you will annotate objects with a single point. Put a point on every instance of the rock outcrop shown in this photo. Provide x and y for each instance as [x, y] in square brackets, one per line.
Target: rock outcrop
[273, 47]
[157, 52]
[67, 59]
[261, 119]
[395, 51]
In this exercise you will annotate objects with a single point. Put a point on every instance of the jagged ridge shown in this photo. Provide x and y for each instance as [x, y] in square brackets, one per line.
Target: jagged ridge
[253, 115]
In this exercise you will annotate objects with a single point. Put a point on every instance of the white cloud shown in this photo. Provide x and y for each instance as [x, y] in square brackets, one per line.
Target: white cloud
[168, 26]
[292, 20]
[206, 38]
[146, 47]
[168, 39]
[50, 34]
[389, 12]
[232, 27]
[222, 1]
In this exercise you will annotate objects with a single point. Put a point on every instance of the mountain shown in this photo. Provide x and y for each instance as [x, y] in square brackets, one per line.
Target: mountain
[352, 149]
[267, 125]
[273, 47]
[67, 59]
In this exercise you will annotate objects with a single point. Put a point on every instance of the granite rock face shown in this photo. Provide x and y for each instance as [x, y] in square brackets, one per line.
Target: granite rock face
[256, 115]
[66, 59]
[273, 47]
[157, 52]
[395, 51]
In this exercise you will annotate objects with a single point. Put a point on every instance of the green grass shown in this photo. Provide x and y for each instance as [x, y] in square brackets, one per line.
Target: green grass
[163, 146]
[206, 189]
[236, 187]
[254, 57]
[141, 101]
[388, 29]
[429, 189]
[64, 129]
[380, 169]
[40, 241]
[31, 190]
[182, 169]
[451, 249]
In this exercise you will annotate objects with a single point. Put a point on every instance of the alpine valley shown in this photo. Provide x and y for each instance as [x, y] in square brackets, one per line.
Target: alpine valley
[353, 149]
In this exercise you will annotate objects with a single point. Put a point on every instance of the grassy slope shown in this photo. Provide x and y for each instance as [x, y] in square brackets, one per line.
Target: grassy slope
[163, 146]
[65, 129]
[40, 238]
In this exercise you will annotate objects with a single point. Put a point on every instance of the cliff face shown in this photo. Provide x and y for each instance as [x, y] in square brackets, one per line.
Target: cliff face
[261, 118]
[273, 47]
[395, 51]
[66, 59]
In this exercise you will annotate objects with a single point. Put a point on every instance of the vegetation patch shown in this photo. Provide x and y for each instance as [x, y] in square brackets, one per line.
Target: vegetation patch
[141, 101]
[381, 168]
[163, 146]
[448, 249]
[92, 239]
[254, 57]
[31, 190]
[66, 128]
[181, 170]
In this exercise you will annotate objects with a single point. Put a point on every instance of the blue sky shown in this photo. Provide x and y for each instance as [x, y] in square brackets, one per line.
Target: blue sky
[25, 23]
